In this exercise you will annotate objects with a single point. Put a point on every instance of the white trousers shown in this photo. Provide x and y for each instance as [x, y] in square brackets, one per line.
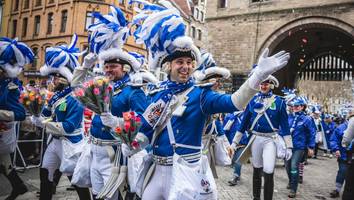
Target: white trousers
[52, 157]
[264, 154]
[100, 168]
[159, 185]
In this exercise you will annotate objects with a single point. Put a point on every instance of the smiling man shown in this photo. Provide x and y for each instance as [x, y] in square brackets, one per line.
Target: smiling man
[177, 130]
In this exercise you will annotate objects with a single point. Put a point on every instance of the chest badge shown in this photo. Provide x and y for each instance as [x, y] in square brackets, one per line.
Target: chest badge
[62, 107]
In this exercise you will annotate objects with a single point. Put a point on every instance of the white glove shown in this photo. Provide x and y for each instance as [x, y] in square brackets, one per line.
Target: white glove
[126, 151]
[111, 121]
[37, 121]
[267, 66]
[289, 153]
[89, 60]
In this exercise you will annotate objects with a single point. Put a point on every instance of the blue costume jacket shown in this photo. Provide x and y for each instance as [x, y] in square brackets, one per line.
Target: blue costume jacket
[9, 96]
[219, 131]
[276, 112]
[188, 128]
[328, 130]
[70, 113]
[302, 130]
[129, 98]
[230, 134]
[336, 140]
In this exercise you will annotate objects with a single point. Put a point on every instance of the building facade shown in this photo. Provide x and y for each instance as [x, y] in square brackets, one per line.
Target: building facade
[319, 35]
[45, 23]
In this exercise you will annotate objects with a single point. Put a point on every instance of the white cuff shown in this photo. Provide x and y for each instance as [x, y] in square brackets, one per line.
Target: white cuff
[55, 128]
[243, 95]
[288, 141]
[7, 115]
[237, 138]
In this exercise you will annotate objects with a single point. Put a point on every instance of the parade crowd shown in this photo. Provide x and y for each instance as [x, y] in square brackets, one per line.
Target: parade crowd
[124, 126]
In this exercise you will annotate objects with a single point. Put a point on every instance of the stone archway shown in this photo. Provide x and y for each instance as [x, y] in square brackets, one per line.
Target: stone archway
[306, 38]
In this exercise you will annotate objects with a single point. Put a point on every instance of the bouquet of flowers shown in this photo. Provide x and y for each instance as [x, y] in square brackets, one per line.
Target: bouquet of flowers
[33, 100]
[95, 94]
[132, 124]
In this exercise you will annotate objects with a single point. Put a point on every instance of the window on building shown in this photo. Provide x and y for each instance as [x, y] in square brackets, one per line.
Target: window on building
[89, 20]
[16, 3]
[38, 2]
[14, 28]
[202, 16]
[193, 31]
[199, 34]
[37, 24]
[222, 3]
[24, 26]
[196, 14]
[26, 4]
[50, 23]
[51, 1]
[35, 52]
[64, 19]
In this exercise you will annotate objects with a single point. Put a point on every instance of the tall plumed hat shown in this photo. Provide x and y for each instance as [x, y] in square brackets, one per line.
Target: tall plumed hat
[62, 59]
[108, 36]
[162, 30]
[14, 55]
[208, 68]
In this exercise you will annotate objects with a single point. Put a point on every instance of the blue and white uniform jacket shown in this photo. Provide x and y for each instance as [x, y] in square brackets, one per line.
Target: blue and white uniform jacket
[201, 102]
[276, 112]
[129, 98]
[302, 130]
[328, 130]
[236, 122]
[336, 140]
[69, 112]
[9, 98]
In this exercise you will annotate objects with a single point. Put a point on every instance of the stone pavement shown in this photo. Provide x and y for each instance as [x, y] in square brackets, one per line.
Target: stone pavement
[318, 182]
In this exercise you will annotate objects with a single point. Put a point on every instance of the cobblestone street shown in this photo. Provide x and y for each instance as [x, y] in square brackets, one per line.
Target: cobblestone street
[318, 182]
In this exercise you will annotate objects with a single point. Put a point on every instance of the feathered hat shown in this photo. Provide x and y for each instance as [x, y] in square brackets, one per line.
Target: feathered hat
[162, 30]
[62, 59]
[13, 56]
[208, 69]
[299, 101]
[108, 37]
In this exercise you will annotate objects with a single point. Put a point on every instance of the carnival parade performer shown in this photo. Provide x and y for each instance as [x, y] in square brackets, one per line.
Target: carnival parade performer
[64, 123]
[14, 55]
[303, 137]
[173, 123]
[119, 67]
[266, 118]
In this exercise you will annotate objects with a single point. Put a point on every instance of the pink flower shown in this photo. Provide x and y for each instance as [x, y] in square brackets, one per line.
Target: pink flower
[106, 99]
[80, 92]
[135, 144]
[96, 91]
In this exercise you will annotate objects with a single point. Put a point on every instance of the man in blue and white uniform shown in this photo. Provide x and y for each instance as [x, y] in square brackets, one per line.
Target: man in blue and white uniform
[341, 155]
[232, 123]
[65, 115]
[174, 121]
[119, 66]
[303, 136]
[265, 117]
[14, 56]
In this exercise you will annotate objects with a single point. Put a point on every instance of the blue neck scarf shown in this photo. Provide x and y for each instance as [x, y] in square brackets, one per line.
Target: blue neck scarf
[58, 95]
[121, 83]
[265, 95]
[171, 88]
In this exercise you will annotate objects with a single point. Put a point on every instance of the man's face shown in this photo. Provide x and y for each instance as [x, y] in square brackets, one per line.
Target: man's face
[298, 108]
[265, 87]
[328, 120]
[181, 69]
[114, 71]
[316, 115]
